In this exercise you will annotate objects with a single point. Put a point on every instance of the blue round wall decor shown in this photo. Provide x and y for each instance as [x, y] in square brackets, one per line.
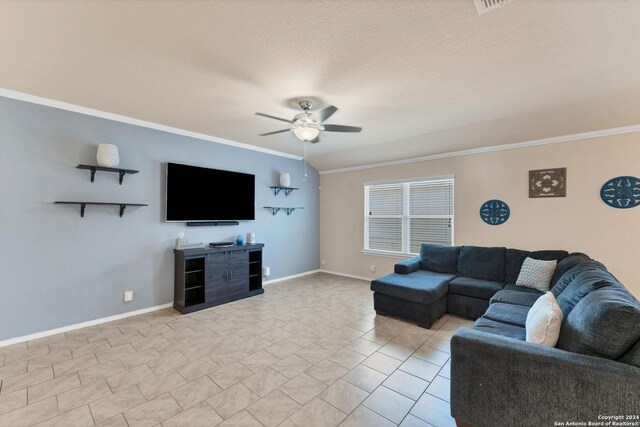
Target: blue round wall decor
[494, 212]
[622, 192]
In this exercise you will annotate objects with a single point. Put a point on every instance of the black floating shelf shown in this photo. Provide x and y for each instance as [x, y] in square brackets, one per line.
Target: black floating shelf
[84, 205]
[276, 209]
[286, 190]
[120, 172]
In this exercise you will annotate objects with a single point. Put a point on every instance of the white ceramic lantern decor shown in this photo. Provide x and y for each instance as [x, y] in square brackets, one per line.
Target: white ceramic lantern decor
[285, 180]
[108, 156]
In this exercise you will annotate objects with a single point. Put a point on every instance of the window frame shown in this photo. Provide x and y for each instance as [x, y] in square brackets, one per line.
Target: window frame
[406, 216]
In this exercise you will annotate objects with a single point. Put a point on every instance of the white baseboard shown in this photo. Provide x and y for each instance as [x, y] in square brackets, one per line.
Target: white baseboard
[73, 327]
[50, 332]
[368, 279]
[293, 276]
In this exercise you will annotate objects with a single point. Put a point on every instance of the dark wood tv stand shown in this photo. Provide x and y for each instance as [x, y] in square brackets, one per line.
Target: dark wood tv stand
[212, 276]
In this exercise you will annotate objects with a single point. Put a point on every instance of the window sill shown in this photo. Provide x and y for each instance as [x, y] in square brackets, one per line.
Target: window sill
[386, 254]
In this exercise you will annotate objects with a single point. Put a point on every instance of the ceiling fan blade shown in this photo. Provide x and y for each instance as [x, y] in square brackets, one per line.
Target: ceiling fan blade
[274, 117]
[341, 128]
[315, 141]
[326, 113]
[274, 132]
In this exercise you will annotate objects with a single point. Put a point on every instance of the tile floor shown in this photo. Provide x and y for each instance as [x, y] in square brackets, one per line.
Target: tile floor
[309, 352]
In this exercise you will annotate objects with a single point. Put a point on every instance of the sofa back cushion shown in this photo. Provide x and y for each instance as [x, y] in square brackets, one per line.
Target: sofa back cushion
[438, 258]
[515, 258]
[482, 263]
[586, 280]
[605, 323]
[568, 277]
[567, 264]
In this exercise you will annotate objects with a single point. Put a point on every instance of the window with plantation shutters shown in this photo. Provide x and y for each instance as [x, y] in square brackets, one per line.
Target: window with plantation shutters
[401, 216]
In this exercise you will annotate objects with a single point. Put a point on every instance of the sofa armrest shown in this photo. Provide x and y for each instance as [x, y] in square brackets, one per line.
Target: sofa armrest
[500, 381]
[408, 266]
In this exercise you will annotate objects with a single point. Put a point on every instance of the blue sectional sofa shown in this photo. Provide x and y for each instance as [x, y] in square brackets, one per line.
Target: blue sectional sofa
[499, 379]
[455, 279]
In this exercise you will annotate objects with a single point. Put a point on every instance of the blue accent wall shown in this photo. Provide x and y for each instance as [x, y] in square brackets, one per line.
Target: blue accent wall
[58, 269]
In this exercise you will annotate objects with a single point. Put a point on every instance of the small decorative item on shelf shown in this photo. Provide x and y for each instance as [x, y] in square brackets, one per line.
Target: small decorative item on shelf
[108, 156]
[239, 239]
[285, 179]
[180, 241]
[622, 192]
[251, 238]
[495, 212]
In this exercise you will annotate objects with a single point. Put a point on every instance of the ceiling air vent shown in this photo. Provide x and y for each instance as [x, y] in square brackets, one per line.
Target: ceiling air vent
[485, 6]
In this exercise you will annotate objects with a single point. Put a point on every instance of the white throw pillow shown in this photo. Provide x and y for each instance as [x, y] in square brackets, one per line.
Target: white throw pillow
[536, 274]
[544, 321]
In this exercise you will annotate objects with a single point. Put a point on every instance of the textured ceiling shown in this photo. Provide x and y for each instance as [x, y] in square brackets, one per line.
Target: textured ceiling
[412, 73]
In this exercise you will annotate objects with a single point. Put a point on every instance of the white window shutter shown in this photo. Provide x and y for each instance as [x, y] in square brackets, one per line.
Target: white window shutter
[429, 230]
[400, 217]
[431, 198]
[385, 199]
[385, 234]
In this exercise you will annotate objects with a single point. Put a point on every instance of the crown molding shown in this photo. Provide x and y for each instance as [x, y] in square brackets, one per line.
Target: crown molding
[47, 102]
[493, 148]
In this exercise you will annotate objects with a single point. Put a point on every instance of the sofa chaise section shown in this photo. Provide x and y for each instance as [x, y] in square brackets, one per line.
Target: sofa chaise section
[420, 296]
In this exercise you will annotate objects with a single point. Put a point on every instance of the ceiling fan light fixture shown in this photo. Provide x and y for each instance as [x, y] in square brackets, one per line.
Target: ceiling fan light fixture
[306, 133]
[306, 127]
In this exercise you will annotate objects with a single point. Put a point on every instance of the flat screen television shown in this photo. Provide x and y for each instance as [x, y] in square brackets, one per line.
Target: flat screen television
[203, 194]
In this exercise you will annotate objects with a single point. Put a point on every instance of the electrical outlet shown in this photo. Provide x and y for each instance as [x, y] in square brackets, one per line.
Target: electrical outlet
[322, 261]
[128, 296]
[373, 268]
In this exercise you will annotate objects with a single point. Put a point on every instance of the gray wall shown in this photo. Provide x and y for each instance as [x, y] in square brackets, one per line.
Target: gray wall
[58, 269]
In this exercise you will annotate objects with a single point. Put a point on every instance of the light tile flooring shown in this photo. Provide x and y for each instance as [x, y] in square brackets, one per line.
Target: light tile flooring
[309, 352]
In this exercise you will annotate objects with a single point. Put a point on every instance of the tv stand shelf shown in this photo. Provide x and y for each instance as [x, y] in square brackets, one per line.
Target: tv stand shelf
[208, 277]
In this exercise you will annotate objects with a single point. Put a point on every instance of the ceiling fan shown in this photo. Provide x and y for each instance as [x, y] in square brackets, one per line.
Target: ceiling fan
[307, 126]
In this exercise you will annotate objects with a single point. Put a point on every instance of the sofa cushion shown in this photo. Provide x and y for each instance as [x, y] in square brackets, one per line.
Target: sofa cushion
[515, 257]
[571, 274]
[438, 258]
[605, 323]
[525, 299]
[512, 287]
[476, 288]
[482, 263]
[507, 313]
[421, 286]
[567, 264]
[499, 328]
[584, 282]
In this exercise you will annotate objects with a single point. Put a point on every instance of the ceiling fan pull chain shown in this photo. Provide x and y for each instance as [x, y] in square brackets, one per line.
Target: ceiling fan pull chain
[305, 143]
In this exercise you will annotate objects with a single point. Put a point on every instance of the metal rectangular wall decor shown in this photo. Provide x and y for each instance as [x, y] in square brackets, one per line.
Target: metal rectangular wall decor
[548, 183]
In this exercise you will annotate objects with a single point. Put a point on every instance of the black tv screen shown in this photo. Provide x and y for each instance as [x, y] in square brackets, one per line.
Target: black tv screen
[202, 194]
